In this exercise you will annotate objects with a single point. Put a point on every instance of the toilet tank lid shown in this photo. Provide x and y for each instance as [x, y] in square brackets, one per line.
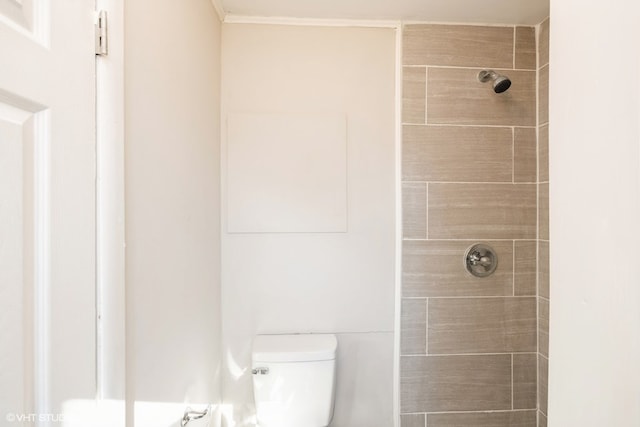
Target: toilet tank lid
[294, 348]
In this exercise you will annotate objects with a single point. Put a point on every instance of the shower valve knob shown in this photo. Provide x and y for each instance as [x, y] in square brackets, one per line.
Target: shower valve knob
[480, 260]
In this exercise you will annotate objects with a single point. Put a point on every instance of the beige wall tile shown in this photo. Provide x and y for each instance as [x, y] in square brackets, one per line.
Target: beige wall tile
[414, 210]
[457, 154]
[526, 253]
[413, 338]
[543, 42]
[542, 420]
[543, 147]
[458, 45]
[525, 163]
[543, 375]
[412, 420]
[543, 93]
[414, 94]
[543, 269]
[482, 325]
[483, 419]
[482, 211]
[543, 326]
[526, 48]
[434, 268]
[455, 96]
[455, 383]
[525, 382]
[543, 211]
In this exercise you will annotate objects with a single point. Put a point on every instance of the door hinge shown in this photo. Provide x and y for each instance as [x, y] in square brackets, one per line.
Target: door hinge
[102, 48]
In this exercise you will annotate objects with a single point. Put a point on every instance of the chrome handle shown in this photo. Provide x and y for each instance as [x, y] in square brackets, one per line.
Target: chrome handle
[480, 260]
[190, 415]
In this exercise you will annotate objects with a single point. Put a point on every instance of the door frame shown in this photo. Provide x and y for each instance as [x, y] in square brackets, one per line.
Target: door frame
[110, 221]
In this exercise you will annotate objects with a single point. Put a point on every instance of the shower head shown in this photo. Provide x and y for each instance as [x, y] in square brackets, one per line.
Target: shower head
[500, 83]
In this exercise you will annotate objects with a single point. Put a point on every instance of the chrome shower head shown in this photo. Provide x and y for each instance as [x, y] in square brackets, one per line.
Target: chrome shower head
[500, 82]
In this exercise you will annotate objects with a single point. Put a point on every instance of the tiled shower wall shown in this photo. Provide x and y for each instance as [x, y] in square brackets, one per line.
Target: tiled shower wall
[469, 346]
[543, 220]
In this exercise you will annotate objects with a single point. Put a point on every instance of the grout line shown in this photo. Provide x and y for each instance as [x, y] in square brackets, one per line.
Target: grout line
[513, 270]
[512, 381]
[533, 353]
[459, 67]
[479, 411]
[463, 125]
[471, 182]
[470, 239]
[538, 33]
[472, 297]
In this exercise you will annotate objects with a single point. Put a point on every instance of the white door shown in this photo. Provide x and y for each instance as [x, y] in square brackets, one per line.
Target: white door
[47, 210]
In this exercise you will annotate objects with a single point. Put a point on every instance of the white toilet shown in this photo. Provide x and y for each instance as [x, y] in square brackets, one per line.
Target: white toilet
[294, 379]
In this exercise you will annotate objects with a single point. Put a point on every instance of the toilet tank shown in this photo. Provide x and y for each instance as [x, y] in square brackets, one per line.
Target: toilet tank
[294, 379]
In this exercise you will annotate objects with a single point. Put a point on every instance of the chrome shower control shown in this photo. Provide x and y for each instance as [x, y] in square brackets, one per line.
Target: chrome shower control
[260, 371]
[480, 260]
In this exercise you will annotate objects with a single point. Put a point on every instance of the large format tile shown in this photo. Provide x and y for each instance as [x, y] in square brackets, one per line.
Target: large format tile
[413, 338]
[543, 269]
[525, 381]
[414, 210]
[482, 211]
[412, 420]
[542, 420]
[482, 325]
[544, 43]
[484, 419]
[543, 93]
[435, 268]
[455, 96]
[457, 154]
[525, 162]
[543, 153]
[543, 211]
[458, 45]
[543, 376]
[455, 383]
[525, 277]
[525, 48]
[543, 326]
[414, 94]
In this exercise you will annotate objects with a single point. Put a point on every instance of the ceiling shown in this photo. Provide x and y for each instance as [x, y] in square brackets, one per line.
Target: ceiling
[527, 12]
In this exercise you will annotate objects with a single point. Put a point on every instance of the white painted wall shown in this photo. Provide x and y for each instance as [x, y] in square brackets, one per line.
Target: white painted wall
[317, 282]
[172, 173]
[595, 211]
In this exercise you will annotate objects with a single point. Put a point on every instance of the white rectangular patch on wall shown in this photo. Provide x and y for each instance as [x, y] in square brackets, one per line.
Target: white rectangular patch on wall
[286, 173]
